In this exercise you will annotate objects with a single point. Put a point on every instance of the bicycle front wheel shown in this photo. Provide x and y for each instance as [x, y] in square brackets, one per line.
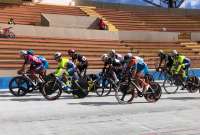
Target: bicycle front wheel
[105, 89]
[170, 86]
[125, 93]
[19, 86]
[51, 90]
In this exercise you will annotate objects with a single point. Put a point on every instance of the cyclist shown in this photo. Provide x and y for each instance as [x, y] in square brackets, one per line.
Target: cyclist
[36, 65]
[113, 55]
[80, 61]
[42, 58]
[165, 59]
[109, 66]
[138, 68]
[65, 69]
[181, 64]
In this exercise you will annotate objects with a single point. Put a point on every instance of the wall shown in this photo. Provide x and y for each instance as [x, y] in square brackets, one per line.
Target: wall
[25, 30]
[149, 36]
[69, 21]
[195, 36]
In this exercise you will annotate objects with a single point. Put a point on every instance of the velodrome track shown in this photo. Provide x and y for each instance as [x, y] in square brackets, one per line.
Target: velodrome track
[174, 114]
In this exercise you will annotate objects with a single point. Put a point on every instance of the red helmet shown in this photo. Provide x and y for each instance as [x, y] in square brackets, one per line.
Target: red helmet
[71, 51]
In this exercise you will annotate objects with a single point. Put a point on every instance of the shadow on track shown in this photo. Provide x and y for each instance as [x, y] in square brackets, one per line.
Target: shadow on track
[95, 103]
[181, 98]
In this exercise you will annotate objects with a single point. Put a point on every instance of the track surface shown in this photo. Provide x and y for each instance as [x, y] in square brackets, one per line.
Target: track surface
[176, 114]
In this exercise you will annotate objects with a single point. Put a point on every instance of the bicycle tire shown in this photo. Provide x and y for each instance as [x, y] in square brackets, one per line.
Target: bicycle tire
[169, 81]
[154, 93]
[123, 90]
[105, 90]
[49, 88]
[22, 86]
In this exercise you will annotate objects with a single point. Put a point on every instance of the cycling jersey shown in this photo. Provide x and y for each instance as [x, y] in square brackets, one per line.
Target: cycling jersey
[181, 62]
[81, 63]
[79, 58]
[138, 64]
[68, 66]
[31, 59]
[168, 61]
[44, 61]
[36, 65]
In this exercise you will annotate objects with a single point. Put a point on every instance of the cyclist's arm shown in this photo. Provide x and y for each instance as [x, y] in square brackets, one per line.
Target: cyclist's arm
[22, 69]
[160, 63]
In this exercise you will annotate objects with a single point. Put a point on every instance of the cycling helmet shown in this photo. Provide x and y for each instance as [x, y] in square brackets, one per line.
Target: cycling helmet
[174, 53]
[57, 55]
[71, 51]
[23, 52]
[104, 57]
[30, 51]
[161, 52]
[128, 56]
[112, 52]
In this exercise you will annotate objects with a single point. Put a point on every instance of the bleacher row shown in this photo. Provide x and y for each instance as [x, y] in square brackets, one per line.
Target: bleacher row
[93, 49]
[31, 15]
[132, 19]
[146, 19]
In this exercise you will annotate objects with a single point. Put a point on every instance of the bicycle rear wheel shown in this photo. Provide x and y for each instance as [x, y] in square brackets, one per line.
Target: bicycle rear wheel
[192, 84]
[153, 94]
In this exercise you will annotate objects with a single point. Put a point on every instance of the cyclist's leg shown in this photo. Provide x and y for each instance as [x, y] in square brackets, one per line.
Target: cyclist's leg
[115, 76]
[141, 70]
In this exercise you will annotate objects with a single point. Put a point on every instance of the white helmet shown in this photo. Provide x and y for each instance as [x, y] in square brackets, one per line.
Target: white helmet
[112, 52]
[161, 51]
[23, 52]
[174, 52]
[130, 55]
[104, 57]
[57, 55]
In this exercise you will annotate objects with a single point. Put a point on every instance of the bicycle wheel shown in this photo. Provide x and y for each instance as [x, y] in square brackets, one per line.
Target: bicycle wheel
[192, 84]
[153, 94]
[19, 86]
[51, 90]
[125, 92]
[170, 86]
[11, 35]
[80, 88]
[105, 89]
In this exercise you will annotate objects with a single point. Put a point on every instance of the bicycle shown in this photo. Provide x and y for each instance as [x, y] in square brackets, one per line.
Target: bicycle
[25, 83]
[172, 83]
[52, 88]
[129, 89]
[7, 33]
